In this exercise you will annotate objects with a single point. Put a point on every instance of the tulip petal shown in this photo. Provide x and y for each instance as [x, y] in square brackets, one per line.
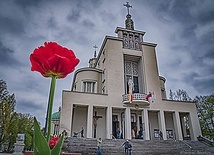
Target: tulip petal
[38, 64]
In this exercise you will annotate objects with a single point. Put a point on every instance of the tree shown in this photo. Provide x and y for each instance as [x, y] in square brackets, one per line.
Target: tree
[12, 123]
[179, 95]
[26, 127]
[8, 118]
[205, 106]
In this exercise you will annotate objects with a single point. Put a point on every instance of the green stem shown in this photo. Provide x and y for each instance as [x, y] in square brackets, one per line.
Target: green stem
[50, 106]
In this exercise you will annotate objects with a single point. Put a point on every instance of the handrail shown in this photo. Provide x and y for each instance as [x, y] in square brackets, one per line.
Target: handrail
[206, 141]
[112, 136]
[186, 144]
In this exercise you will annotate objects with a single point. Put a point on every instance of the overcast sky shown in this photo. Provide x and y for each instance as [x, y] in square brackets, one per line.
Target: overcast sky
[182, 29]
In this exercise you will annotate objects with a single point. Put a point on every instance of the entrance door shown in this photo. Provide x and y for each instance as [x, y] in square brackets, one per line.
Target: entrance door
[134, 125]
[115, 125]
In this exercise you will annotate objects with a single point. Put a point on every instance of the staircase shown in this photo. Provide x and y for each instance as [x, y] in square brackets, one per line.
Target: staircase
[139, 147]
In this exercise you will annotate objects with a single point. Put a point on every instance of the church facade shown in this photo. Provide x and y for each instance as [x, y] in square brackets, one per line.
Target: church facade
[121, 93]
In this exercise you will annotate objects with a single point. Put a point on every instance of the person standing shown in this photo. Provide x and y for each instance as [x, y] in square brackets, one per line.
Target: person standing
[99, 142]
[133, 133]
[118, 133]
[140, 133]
[127, 147]
[82, 132]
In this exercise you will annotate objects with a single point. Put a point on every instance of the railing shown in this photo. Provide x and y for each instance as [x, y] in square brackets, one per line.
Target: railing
[185, 144]
[136, 97]
[112, 136]
[205, 141]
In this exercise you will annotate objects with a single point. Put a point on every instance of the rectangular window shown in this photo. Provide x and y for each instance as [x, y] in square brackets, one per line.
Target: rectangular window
[89, 87]
[131, 72]
[104, 60]
[103, 90]
[136, 86]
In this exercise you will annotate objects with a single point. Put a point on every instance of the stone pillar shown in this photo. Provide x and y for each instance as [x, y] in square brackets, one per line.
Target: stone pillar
[146, 124]
[89, 121]
[18, 148]
[109, 122]
[194, 126]
[183, 127]
[191, 127]
[138, 123]
[177, 125]
[128, 123]
[67, 117]
[162, 125]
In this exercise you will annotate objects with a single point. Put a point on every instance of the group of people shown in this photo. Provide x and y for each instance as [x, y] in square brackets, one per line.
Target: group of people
[139, 135]
[133, 133]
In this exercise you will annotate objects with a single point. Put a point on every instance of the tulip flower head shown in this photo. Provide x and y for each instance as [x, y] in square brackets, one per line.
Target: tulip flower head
[53, 60]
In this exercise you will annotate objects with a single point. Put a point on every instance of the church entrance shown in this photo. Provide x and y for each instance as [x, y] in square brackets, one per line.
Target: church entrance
[115, 127]
[99, 122]
[133, 125]
[186, 126]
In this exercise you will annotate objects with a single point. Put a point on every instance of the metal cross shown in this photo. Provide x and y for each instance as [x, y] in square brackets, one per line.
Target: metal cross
[95, 47]
[95, 118]
[128, 6]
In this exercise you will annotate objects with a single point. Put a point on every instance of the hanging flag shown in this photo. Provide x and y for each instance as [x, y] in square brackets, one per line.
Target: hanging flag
[131, 87]
[130, 96]
[150, 96]
[153, 95]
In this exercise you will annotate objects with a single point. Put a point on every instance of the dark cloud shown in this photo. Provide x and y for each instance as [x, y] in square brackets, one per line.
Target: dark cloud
[27, 3]
[33, 108]
[88, 24]
[7, 57]
[74, 15]
[11, 26]
[204, 84]
[51, 23]
[26, 105]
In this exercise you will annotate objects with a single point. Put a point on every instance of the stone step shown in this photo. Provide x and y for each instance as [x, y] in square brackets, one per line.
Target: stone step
[152, 147]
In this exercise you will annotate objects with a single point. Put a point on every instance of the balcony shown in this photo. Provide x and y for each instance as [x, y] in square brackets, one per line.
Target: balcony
[138, 99]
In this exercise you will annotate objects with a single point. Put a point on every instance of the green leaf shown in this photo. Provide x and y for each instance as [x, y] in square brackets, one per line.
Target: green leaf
[57, 149]
[41, 146]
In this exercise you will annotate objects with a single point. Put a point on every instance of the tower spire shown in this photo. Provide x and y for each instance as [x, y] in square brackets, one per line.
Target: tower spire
[95, 51]
[93, 60]
[129, 22]
[128, 6]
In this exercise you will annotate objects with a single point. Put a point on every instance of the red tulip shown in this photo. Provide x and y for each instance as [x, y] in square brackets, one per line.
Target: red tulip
[53, 142]
[53, 60]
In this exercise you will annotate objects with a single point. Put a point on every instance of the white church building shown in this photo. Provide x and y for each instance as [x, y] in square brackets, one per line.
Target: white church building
[101, 102]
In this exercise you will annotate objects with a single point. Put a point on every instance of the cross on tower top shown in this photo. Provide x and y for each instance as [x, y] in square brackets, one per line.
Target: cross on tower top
[95, 50]
[128, 6]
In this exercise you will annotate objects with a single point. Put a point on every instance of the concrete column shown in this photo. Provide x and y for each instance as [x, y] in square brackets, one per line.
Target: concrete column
[183, 127]
[89, 121]
[128, 123]
[177, 125]
[162, 125]
[195, 126]
[191, 127]
[138, 123]
[67, 117]
[109, 122]
[146, 124]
